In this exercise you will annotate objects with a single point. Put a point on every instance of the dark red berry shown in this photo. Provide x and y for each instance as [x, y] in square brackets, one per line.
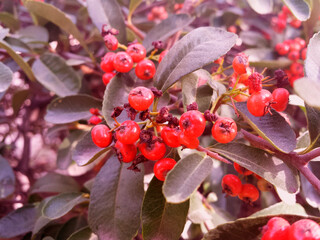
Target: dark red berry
[304, 229]
[294, 55]
[241, 170]
[126, 152]
[249, 193]
[154, 150]
[137, 52]
[140, 98]
[94, 120]
[255, 82]
[107, 62]
[231, 185]
[282, 48]
[161, 56]
[192, 123]
[277, 228]
[111, 42]
[295, 23]
[258, 103]
[122, 62]
[128, 132]
[224, 130]
[280, 99]
[162, 167]
[145, 69]
[240, 63]
[107, 77]
[188, 141]
[101, 136]
[170, 136]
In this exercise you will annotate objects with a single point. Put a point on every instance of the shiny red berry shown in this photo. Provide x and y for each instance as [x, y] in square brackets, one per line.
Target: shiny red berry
[277, 228]
[145, 69]
[140, 98]
[282, 48]
[255, 82]
[294, 55]
[94, 120]
[258, 103]
[162, 167]
[224, 130]
[101, 136]
[192, 123]
[128, 132]
[154, 150]
[170, 136]
[107, 62]
[107, 77]
[301, 42]
[111, 42]
[249, 193]
[137, 51]
[280, 98]
[162, 54]
[231, 185]
[304, 229]
[304, 54]
[122, 62]
[296, 68]
[125, 152]
[240, 63]
[188, 141]
[242, 170]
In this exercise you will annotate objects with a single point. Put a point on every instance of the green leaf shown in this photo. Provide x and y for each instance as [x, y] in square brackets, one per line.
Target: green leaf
[61, 204]
[54, 183]
[85, 152]
[7, 179]
[312, 62]
[18, 99]
[19, 60]
[308, 90]
[18, 222]
[198, 48]
[166, 28]
[186, 177]
[53, 73]
[5, 77]
[281, 208]
[115, 201]
[8, 20]
[262, 163]
[261, 6]
[72, 225]
[299, 8]
[56, 16]
[272, 128]
[160, 219]
[71, 108]
[313, 118]
[108, 12]
[83, 234]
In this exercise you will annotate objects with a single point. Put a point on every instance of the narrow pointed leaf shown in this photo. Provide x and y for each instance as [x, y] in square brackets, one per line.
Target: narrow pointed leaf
[7, 178]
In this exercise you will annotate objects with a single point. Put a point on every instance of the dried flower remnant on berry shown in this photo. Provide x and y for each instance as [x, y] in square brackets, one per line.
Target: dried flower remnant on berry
[281, 77]
[210, 117]
[192, 106]
[130, 111]
[116, 112]
[146, 136]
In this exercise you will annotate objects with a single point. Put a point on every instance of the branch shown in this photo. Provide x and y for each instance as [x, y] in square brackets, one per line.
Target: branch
[307, 157]
[213, 155]
[310, 177]
[137, 31]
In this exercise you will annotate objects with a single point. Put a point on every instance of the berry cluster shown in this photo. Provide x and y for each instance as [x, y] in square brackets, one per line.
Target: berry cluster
[280, 229]
[157, 14]
[279, 23]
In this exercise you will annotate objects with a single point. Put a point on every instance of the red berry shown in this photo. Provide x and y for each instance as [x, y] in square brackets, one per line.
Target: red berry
[140, 98]
[286, 10]
[304, 229]
[107, 62]
[277, 228]
[304, 54]
[145, 69]
[161, 56]
[162, 167]
[240, 63]
[293, 78]
[128, 132]
[280, 99]
[232, 29]
[242, 170]
[224, 130]
[126, 152]
[295, 46]
[94, 111]
[231, 185]
[278, 24]
[255, 82]
[259, 102]
[111, 42]
[244, 78]
[170, 136]
[137, 51]
[294, 55]
[282, 48]
[122, 62]
[301, 42]
[94, 120]
[107, 77]
[296, 68]
[295, 23]
[192, 123]
[188, 141]
[241, 97]
[249, 193]
[101, 136]
[154, 150]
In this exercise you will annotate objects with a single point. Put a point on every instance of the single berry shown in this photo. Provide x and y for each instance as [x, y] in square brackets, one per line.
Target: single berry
[278, 24]
[140, 98]
[304, 229]
[294, 55]
[137, 52]
[154, 150]
[162, 54]
[128, 132]
[192, 123]
[94, 111]
[107, 62]
[249, 193]
[243, 89]
[295, 23]
[231, 185]
[304, 54]
[301, 42]
[162, 167]
[259, 103]
[107, 77]
[111, 42]
[255, 82]
[125, 152]
[296, 68]
[244, 78]
[145, 69]
[188, 141]
[101, 136]
[94, 120]
[240, 63]
[170, 136]
[277, 228]
[295, 46]
[224, 130]
[280, 99]
[282, 48]
[241, 170]
[122, 62]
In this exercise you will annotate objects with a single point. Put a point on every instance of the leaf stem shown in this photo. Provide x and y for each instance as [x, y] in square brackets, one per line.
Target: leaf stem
[213, 155]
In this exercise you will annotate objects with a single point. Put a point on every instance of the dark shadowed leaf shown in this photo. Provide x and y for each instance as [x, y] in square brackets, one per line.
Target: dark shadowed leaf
[8, 20]
[272, 128]
[71, 108]
[186, 177]
[308, 90]
[7, 178]
[41, 221]
[299, 8]
[83, 234]
[262, 163]
[313, 118]
[63, 203]
[55, 183]
[5, 77]
[18, 222]
[53, 73]
[198, 48]
[115, 201]
[166, 28]
[160, 219]
[72, 225]
[312, 63]
[108, 12]
[18, 99]
[261, 6]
